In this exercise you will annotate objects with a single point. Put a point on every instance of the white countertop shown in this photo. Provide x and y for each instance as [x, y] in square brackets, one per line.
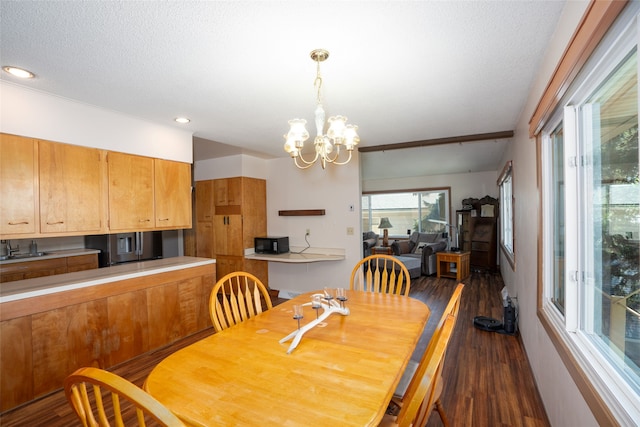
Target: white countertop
[53, 254]
[300, 255]
[28, 288]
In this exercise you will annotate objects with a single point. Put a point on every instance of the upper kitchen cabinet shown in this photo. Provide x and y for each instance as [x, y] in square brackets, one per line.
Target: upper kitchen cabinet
[204, 200]
[172, 194]
[131, 192]
[228, 191]
[147, 193]
[71, 195]
[18, 185]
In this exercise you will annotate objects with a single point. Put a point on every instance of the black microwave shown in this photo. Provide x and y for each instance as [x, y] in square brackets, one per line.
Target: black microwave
[271, 245]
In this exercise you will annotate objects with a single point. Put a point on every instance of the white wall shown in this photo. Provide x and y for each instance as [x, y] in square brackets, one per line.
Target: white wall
[333, 189]
[228, 167]
[37, 114]
[562, 399]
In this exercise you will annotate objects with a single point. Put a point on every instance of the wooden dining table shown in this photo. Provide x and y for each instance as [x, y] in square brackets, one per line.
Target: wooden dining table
[343, 372]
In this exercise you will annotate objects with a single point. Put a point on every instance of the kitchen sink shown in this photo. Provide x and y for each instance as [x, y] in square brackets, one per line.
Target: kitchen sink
[23, 256]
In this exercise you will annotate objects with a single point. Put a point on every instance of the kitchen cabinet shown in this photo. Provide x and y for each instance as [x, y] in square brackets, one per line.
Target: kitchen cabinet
[45, 337]
[55, 189]
[82, 262]
[18, 186]
[228, 232]
[147, 193]
[239, 214]
[205, 212]
[13, 271]
[204, 200]
[70, 188]
[228, 191]
[172, 194]
[131, 191]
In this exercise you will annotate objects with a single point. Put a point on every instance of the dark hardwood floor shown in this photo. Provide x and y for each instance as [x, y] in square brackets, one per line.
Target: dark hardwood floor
[488, 380]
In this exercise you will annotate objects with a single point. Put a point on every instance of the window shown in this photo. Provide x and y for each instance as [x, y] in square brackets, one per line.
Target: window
[505, 183]
[591, 221]
[423, 210]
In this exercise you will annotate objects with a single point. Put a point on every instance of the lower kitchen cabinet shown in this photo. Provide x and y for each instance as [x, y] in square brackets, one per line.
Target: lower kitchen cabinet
[46, 267]
[45, 338]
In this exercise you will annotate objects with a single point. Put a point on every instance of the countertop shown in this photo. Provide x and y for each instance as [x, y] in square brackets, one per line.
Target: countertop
[53, 254]
[300, 255]
[21, 289]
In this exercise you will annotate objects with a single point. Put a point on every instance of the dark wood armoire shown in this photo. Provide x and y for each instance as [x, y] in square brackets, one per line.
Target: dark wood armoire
[478, 231]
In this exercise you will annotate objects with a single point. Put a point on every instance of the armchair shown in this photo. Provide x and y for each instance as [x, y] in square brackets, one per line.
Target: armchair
[422, 246]
[369, 240]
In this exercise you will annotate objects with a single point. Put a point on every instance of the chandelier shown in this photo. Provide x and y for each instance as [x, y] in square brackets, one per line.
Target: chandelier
[327, 147]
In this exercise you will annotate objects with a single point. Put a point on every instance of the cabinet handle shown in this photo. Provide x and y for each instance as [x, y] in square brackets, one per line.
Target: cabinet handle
[144, 220]
[54, 223]
[18, 223]
[163, 219]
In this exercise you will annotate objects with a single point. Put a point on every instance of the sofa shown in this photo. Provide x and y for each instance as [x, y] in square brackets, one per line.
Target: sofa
[369, 240]
[422, 246]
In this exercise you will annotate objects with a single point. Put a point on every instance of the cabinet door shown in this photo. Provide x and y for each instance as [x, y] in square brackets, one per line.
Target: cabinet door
[228, 264]
[172, 194]
[228, 191]
[131, 192]
[204, 200]
[82, 262]
[45, 267]
[204, 239]
[70, 188]
[228, 235]
[18, 188]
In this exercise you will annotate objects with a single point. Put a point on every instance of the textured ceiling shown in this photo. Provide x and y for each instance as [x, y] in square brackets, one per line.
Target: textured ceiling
[401, 70]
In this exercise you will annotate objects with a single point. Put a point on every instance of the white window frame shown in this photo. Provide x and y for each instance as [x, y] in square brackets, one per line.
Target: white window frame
[507, 237]
[571, 328]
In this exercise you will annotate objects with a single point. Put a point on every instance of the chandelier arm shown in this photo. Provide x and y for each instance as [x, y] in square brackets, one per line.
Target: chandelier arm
[305, 161]
[345, 162]
[305, 166]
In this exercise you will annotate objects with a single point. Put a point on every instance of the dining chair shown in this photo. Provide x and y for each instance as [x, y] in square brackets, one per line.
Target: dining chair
[409, 378]
[382, 274]
[422, 393]
[235, 298]
[87, 385]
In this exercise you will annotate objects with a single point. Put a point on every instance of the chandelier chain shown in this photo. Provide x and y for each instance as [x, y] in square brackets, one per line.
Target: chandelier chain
[317, 83]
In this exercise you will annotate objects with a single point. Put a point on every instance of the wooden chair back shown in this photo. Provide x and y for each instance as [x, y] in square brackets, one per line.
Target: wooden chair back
[423, 394]
[88, 391]
[381, 273]
[452, 308]
[237, 297]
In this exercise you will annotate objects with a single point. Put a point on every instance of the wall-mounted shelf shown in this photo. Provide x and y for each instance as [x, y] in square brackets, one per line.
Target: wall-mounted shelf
[302, 212]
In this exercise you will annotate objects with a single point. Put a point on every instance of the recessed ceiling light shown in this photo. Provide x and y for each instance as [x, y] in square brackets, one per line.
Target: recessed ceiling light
[182, 120]
[18, 72]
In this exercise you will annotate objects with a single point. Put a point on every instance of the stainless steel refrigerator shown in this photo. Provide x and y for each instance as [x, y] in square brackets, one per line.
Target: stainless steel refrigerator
[121, 248]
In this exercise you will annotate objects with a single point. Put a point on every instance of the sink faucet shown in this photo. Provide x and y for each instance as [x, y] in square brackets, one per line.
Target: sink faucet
[10, 250]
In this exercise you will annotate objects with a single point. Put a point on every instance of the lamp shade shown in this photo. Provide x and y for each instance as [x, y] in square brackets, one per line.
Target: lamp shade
[384, 223]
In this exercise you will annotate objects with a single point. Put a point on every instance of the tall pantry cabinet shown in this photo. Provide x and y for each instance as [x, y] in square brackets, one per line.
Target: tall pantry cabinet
[230, 212]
